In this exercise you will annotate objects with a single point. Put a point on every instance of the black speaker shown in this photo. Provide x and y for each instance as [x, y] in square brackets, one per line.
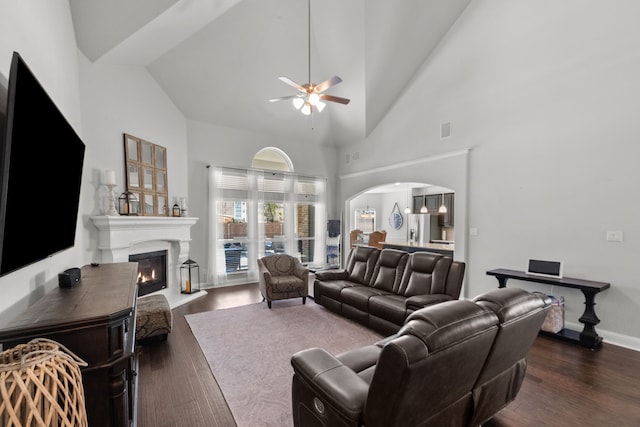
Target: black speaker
[69, 278]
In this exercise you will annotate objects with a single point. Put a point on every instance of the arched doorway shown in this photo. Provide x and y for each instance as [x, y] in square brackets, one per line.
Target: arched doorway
[390, 208]
[449, 170]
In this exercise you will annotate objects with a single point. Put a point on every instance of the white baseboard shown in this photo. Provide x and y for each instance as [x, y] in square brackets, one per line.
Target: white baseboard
[609, 337]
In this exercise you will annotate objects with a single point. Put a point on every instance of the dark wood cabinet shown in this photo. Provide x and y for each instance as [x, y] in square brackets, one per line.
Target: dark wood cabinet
[446, 219]
[96, 321]
[418, 202]
[433, 203]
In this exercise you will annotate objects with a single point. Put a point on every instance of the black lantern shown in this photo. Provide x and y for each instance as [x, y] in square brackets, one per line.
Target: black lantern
[128, 204]
[189, 277]
[175, 211]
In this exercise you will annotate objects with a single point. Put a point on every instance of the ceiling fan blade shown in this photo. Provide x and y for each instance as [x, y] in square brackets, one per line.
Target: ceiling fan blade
[283, 98]
[332, 98]
[321, 87]
[291, 83]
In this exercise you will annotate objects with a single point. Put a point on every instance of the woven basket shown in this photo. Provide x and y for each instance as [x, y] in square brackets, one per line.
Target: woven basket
[41, 385]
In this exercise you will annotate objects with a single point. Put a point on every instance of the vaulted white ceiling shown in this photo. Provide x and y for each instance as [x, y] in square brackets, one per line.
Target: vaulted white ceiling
[219, 60]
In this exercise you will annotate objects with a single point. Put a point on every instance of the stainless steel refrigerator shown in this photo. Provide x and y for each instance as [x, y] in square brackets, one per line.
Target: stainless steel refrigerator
[422, 228]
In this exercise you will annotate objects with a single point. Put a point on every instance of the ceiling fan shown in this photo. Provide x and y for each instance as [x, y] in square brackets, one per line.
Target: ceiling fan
[311, 95]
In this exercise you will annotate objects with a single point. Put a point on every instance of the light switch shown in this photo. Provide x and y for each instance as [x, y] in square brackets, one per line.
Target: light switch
[473, 231]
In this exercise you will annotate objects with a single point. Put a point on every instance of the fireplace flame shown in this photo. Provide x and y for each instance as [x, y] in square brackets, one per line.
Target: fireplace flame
[142, 278]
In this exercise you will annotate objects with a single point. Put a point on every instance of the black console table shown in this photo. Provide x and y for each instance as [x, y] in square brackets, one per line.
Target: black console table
[96, 320]
[588, 337]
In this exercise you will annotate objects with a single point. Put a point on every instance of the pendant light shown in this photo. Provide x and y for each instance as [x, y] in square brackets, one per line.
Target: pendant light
[424, 208]
[407, 210]
[442, 208]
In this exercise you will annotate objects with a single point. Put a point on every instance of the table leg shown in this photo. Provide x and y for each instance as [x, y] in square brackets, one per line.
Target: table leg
[589, 336]
[502, 281]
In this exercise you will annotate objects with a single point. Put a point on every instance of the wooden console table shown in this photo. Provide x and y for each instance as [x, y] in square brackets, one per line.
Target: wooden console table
[95, 320]
[588, 337]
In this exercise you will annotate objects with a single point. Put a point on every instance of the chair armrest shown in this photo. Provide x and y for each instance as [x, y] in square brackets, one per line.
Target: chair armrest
[332, 275]
[417, 302]
[334, 382]
[264, 277]
[301, 271]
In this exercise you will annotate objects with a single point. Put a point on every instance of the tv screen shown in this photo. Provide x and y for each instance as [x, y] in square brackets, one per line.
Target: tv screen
[41, 161]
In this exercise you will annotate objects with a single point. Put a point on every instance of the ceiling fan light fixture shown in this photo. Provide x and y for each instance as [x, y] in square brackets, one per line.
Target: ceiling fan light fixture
[311, 94]
[314, 98]
[298, 103]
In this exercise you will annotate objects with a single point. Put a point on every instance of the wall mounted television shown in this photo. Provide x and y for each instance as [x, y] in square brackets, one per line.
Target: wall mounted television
[41, 160]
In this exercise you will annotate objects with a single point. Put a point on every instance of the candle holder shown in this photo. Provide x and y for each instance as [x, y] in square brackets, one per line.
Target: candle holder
[189, 277]
[128, 204]
[111, 211]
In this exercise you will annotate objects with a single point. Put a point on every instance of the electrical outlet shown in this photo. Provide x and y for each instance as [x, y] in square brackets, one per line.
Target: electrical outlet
[614, 236]
[473, 231]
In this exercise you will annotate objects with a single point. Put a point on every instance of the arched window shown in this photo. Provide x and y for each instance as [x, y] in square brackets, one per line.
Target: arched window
[264, 210]
[272, 158]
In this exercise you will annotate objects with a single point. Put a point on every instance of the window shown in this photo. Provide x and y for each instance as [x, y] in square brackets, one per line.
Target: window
[257, 213]
[365, 220]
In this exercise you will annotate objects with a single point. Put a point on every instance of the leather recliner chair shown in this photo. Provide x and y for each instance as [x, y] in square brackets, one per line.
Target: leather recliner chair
[443, 367]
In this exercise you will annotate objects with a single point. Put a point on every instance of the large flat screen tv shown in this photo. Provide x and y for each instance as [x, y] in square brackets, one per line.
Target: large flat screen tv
[41, 159]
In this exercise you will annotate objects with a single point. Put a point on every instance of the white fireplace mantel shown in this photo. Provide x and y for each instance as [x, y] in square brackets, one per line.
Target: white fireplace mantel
[121, 236]
[118, 234]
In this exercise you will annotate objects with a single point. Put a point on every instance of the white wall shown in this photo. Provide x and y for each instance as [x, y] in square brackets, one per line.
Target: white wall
[546, 93]
[220, 146]
[43, 35]
[125, 99]
[101, 102]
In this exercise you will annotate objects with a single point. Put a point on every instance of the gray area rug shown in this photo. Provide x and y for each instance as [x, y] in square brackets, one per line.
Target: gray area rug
[249, 351]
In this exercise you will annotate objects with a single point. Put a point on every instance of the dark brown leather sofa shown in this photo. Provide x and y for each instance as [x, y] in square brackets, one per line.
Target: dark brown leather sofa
[379, 288]
[452, 364]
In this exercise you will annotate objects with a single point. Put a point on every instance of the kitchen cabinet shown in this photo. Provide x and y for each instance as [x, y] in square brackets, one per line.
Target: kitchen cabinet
[433, 203]
[418, 202]
[446, 219]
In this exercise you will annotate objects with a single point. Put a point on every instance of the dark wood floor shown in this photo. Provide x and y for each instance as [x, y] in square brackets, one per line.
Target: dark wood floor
[566, 385]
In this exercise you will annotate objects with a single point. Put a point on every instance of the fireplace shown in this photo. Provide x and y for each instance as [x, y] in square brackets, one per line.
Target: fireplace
[122, 236]
[152, 271]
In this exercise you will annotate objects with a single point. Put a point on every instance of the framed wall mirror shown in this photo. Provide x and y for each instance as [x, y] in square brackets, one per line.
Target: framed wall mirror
[146, 176]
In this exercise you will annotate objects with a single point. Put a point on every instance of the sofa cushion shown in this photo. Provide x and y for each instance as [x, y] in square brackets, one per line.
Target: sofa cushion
[331, 289]
[389, 269]
[391, 307]
[358, 296]
[286, 283]
[362, 360]
[417, 302]
[361, 263]
[426, 273]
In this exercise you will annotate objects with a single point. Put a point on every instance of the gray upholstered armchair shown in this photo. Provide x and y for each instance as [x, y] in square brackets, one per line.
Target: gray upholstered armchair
[282, 276]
